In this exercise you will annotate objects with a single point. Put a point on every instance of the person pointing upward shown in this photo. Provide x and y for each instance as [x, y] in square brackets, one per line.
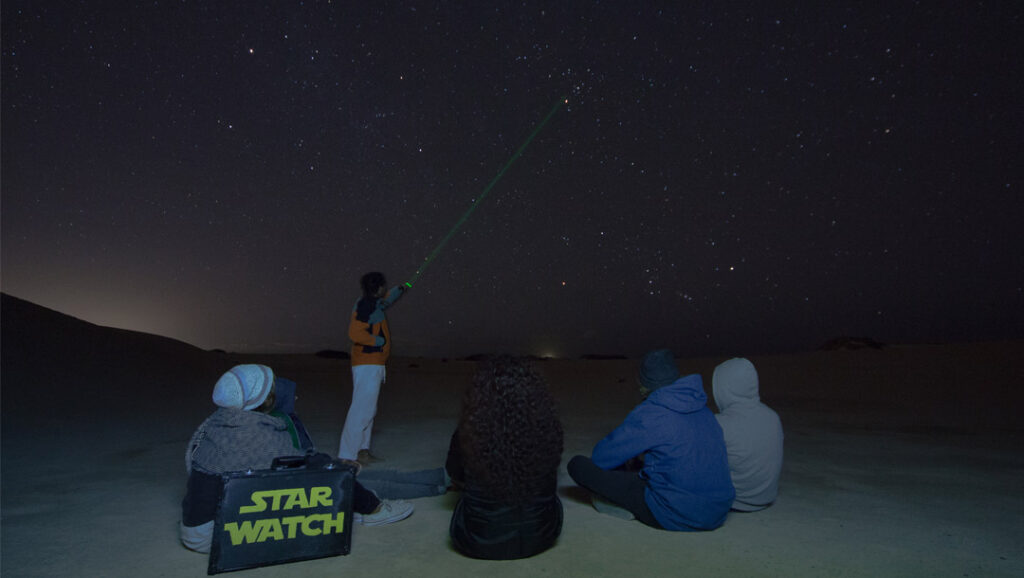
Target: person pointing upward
[371, 346]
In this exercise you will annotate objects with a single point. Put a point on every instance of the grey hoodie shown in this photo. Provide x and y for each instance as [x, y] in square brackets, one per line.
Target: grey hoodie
[753, 435]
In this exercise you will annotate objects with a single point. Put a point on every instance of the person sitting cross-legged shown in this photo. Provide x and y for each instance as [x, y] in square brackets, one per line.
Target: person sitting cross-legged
[683, 482]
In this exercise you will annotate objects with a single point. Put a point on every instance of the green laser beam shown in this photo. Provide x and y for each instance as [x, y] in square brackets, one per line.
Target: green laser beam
[437, 250]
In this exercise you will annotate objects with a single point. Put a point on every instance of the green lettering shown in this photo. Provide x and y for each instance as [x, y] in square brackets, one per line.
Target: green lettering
[246, 533]
[292, 522]
[270, 529]
[320, 496]
[308, 530]
[297, 499]
[258, 505]
[277, 498]
[335, 525]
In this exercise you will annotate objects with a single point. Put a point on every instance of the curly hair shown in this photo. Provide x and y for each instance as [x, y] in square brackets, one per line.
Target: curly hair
[509, 431]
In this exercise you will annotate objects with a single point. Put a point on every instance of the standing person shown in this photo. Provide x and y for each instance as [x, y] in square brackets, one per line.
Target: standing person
[243, 435]
[753, 435]
[505, 456]
[371, 346]
[684, 481]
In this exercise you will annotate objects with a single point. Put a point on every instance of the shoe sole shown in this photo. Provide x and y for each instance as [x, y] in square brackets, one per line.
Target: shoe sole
[360, 519]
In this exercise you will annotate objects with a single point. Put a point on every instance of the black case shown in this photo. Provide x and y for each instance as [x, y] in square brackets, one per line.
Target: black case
[300, 509]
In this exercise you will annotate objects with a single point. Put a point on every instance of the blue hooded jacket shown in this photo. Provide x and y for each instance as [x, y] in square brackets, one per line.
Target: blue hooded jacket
[685, 462]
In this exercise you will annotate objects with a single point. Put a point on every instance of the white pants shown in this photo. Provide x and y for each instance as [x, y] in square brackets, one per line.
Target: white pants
[355, 436]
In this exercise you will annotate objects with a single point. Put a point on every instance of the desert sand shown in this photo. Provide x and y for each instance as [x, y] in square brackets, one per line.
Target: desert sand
[900, 461]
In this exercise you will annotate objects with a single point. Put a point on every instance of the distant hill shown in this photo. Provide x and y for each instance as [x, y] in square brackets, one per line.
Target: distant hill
[50, 358]
[30, 330]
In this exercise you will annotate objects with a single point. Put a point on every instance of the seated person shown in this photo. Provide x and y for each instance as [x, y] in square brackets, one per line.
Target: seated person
[753, 435]
[284, 408]
[684, 482]
[505, 456]
[242, 435]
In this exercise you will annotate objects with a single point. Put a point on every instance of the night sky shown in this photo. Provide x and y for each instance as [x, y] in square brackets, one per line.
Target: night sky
[725, 178]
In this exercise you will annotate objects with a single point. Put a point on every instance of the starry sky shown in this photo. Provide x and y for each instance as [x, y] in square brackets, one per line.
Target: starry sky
[719, 178]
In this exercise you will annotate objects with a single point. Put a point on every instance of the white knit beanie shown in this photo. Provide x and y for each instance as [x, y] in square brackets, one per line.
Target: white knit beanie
[243, 387]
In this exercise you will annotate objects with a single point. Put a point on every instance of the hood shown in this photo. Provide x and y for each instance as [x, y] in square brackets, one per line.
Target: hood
[735, 381]
[684, 395]
[284, 395]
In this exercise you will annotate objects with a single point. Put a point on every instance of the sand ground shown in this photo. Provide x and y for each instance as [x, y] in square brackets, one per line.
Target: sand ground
[904, 461]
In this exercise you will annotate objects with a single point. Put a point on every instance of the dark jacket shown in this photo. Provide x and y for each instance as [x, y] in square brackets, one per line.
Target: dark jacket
[284, 408]
[485, 527]
[685, 461]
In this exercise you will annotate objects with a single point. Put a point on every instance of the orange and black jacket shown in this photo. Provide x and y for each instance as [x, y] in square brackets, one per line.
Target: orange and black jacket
[368, 329]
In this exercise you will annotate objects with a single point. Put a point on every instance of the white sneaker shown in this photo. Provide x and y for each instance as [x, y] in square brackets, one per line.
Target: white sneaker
[389, 512]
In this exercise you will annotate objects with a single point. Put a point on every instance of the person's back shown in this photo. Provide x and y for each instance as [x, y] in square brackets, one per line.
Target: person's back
[505, 455]
[233, 440]
[753, 435]
[240, 435]
[490, 526]
[684, 459]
